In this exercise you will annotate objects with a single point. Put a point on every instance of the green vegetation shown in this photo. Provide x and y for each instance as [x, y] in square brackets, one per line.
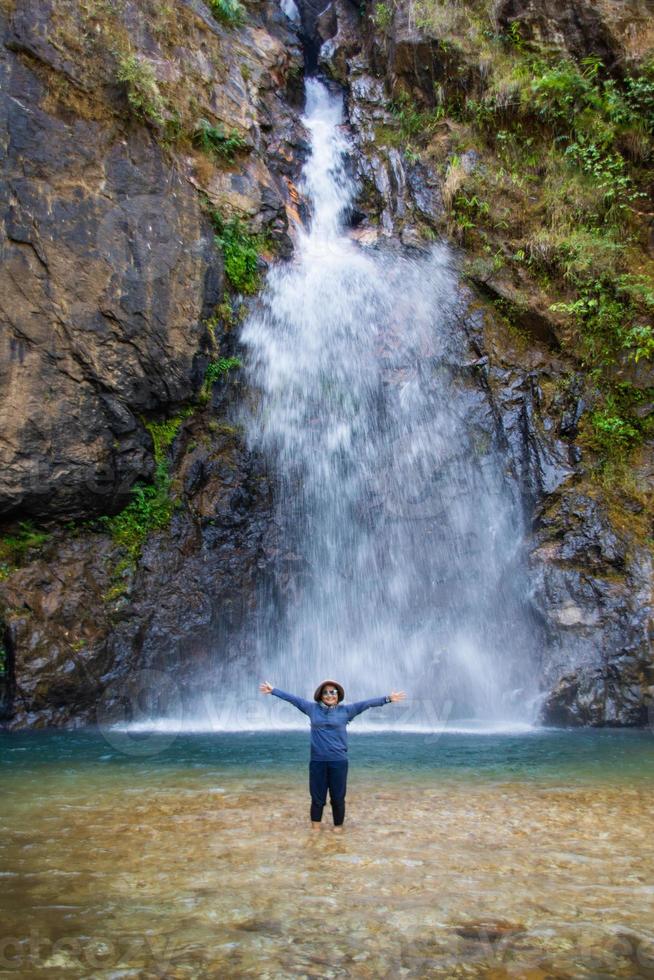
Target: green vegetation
[15, 547]
[240, 251]
[556, 198]
[612, 434]
[214, 140]
[614, 429]
[151, 506]
[215, 371]
[228, 11]
[143, 93]
[607, 317]
[163, 434]
[150, 509]
[594, 170]
[411, 123]
[225, 317]
[383, 16]
[221, 367]
[468, 211]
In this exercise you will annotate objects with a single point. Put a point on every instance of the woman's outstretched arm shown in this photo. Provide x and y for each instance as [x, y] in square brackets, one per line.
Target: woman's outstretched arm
[301, 703]
[358, 706]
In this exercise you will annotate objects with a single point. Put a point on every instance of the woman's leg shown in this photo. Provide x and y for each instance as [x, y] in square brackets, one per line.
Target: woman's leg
[337, 778]
[318, 788]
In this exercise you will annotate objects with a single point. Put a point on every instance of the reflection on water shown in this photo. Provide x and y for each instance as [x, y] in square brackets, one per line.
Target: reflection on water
[198, 862]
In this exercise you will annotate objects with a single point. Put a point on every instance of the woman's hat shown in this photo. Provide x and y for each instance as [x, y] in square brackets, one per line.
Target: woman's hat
[339, 688]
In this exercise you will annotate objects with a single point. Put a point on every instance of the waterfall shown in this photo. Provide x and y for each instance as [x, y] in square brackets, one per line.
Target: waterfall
[395, 507]
[392, 499]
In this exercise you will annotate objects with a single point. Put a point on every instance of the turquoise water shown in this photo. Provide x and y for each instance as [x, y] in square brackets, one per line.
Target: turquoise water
[549, 754]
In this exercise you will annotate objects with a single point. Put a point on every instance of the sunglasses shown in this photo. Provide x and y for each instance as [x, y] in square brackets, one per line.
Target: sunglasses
[329, 691]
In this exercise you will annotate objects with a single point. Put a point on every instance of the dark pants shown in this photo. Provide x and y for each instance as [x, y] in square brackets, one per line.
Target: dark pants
[330, 776]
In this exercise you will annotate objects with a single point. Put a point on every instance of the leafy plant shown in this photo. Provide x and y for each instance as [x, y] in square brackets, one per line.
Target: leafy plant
[150, 510]
[559, 91]
[383, 17]
[607, 170]
[412, 121]
[163, 433]
[578, 255]
[468, 209]
[608, 321]
[639, 96]
[638, 287]
[151, 506]
[612, 434]
[240, 251]
[143, 92]
[472, 204]
[514, 35]
[639, 341]
[228, 11]
[215, 371]
[221, 367]
[213, 139]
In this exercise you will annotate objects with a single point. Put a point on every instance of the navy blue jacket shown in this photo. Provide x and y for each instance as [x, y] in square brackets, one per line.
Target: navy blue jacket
[328, 725]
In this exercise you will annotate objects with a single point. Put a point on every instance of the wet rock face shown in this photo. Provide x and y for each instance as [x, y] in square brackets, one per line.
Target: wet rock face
[594, 590]
[591, 584]
[76, 646]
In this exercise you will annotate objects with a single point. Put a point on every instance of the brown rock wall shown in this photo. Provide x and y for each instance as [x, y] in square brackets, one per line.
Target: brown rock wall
[109, 267]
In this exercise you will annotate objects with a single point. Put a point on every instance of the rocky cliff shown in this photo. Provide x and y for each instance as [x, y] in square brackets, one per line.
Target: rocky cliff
[135, 134]
[109, 266]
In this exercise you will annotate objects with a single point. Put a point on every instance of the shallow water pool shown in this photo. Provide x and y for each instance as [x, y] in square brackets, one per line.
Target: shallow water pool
[517, 855]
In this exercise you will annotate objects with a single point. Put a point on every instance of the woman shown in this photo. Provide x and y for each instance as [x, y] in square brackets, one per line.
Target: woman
[328, 765]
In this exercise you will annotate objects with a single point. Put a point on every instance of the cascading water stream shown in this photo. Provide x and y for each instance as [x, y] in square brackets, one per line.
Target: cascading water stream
[395, 507]
[407, 539]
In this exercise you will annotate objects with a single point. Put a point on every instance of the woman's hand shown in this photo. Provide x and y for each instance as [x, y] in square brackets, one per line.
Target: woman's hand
[397, 695]
[266, 688]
